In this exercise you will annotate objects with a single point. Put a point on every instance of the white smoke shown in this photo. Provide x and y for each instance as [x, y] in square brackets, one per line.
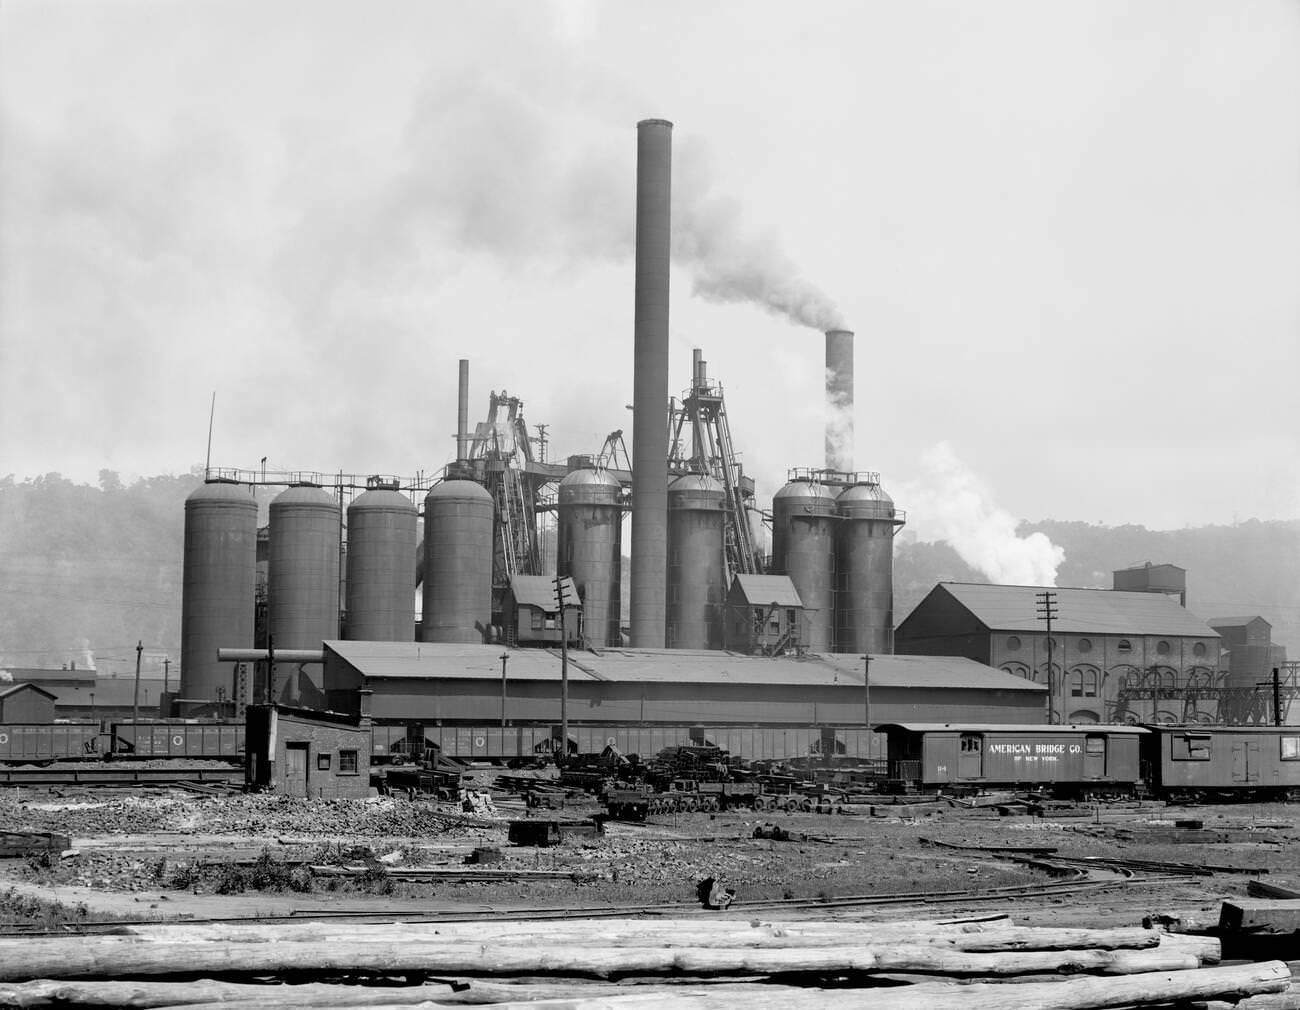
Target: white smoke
[6, 677]
[957, 506]
[838, 422]
[727, 260]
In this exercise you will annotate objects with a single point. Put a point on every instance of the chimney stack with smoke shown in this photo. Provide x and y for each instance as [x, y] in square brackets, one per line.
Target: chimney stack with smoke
[839, 400]
[650, 385]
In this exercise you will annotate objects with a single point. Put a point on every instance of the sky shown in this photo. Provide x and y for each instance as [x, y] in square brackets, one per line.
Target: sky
[1066, 235]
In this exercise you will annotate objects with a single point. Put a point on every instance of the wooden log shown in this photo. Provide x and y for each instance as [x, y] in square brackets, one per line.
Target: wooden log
[22, 959]
[1209, 949]
[1072, 994]
[488, 930]
[1084, 993]
[649, 933]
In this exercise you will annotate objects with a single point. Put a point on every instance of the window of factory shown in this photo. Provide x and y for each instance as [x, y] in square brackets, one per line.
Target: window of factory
[347, 762]
[1162, 647]
[323, 762]
[790, 617]
[1013, 643]
[1084, 645]
[1124, 645]
[1083, 684]
[1198, 649]
[1190, 747]
[1291, 748]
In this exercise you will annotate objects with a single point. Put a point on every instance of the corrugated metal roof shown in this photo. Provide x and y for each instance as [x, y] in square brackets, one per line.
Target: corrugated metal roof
[424, 660]
[1234, 622]
[962, 727]
[762, 590]
[539, 591]
[1099, 611]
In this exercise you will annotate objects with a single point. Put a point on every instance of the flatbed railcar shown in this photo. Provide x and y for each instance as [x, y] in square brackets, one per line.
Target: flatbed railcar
[1196, 762]
[1068, 760]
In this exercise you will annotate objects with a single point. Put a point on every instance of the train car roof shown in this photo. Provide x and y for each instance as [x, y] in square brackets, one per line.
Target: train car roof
[973, 727]
[1195, 727]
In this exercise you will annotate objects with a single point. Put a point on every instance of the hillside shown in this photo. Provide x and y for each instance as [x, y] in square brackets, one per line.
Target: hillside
[86, 568]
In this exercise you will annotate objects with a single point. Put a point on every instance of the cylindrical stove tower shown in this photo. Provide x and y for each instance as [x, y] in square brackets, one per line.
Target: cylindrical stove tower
[457, 562]
[650, 383]
[839, 400]
[380, 590]
[865, 602]
[590, 547]
[803, 547]
[217, 586]
[303, 584]
[697, 563]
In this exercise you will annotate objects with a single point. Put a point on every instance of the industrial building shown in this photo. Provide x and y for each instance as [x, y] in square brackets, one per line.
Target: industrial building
[1114, 656]
[729, 699]
[716, 637]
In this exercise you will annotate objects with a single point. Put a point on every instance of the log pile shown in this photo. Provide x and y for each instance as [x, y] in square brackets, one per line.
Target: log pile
[635, 964]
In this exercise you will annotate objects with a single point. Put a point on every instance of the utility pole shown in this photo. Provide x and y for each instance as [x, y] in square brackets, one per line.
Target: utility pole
[561, 597]
[1047, 612]
[1276, 682]
[866, 699]
[504, 657]
[135, 703]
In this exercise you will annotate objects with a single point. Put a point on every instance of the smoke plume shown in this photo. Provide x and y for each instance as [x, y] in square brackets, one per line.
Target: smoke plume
[6, 677]
[958, 507]
[729, 262]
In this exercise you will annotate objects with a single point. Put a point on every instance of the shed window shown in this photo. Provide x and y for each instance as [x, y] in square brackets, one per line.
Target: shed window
[347, 762]
[323, 762]
[537, 620]
[1291, 748]
[1190, 747]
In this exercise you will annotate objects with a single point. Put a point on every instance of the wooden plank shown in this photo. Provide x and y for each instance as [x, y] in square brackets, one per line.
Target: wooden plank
[1277, 915]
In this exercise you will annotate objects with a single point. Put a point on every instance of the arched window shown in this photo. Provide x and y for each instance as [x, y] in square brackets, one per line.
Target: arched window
[1083, 682]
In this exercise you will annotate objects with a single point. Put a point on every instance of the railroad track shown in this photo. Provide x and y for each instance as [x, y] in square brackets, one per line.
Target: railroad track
[118, 775]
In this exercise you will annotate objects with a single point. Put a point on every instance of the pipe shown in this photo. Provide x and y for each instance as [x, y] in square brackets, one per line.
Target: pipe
[462, 412]
[839, 400]
[650, 385]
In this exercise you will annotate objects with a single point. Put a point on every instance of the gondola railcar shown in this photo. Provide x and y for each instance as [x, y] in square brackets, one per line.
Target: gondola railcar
[1070, 761]
[1223, 762]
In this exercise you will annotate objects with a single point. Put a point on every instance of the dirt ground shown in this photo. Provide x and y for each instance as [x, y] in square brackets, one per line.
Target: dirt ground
[171, 854]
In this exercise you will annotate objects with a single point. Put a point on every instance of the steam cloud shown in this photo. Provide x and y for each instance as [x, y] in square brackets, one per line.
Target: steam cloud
[961, 510]
[6, 677]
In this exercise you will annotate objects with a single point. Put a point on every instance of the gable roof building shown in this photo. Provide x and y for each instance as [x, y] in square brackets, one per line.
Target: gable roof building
[1108, 648]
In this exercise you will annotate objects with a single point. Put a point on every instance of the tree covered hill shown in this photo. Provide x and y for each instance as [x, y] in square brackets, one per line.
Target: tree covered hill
[97, 568]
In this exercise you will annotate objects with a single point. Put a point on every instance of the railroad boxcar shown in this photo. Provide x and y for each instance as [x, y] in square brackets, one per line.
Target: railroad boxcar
[24, 743]
[205, 741]
[1223, 762]
[1071, 760]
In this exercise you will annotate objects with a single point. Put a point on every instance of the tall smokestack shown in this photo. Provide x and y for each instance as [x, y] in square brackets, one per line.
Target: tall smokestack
[839, 400]
[654, 158]
[462, 412]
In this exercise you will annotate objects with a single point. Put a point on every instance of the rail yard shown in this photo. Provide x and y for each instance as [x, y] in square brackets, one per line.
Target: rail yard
[217, 856]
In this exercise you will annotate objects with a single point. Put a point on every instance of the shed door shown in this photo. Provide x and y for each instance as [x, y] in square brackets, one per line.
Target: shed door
[970, 757]
[1094, 757]
[295, 769]
[1245, 761]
